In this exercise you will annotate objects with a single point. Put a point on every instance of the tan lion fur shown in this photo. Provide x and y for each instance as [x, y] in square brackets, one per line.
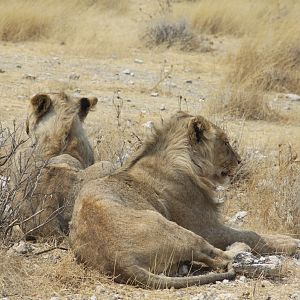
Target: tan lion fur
[159, 210]
[49, 167]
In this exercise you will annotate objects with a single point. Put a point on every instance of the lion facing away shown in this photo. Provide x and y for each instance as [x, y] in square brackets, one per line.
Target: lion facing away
[159, 211]
[49, 167]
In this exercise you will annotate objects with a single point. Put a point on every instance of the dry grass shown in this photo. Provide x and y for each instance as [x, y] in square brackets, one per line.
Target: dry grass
[267, 58]
[45, 276]
[236, 17]
[87, 27]
[267, 187]
[246, 103]
[269, 62]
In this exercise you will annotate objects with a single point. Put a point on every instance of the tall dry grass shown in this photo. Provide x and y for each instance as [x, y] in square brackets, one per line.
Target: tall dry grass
[235, 17]
[86, 26]
[268, 188]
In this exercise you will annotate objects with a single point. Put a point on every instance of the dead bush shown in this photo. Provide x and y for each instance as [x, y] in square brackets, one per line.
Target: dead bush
[170, 33]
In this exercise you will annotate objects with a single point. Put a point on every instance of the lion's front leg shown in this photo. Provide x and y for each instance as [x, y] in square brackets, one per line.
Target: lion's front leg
[222, 236]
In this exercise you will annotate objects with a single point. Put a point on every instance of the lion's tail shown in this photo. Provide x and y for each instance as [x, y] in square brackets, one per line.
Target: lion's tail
[146, 278]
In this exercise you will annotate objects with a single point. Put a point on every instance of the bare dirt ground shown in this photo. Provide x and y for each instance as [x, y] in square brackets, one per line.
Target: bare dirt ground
[150, 84]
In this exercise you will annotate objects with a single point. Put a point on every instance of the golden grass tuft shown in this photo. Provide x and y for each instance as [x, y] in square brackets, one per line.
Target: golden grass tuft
[57, 273]
[269, 190]
[88, 26]
[236, 17]
[246, 103]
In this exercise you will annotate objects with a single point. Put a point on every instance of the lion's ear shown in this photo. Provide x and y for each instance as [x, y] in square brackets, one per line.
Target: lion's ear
[40, 104]
[85, 105]
[197, 129]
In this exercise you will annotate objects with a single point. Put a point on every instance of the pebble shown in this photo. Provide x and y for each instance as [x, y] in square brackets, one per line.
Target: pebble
[18, 66]
[225, 281]
[148, 125]
[22, 247]
[293, 97]
[138, 61]
[154, 94]
[189, 81]
[74, 76]
[243, 279]
[93, 297]
[100, 289]
[29, 77]
[295, 296]
[163, 107]
[2, 71]
[126, 72]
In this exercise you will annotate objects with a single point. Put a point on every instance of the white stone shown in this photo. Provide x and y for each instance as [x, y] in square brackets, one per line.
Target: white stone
[138, 61]
[126, 72]
[154, 94]
[22, 247]
[148, 125]
[293, 97]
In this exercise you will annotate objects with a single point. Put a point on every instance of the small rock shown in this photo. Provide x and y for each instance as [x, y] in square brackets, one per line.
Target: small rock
[74, 76]
[126, 72]
[293, 97]
[22, 247]
[183, 270]
[131, 74]
[237, 218]
[225, 281]
[154, 94]
[148, 125]
[29, 77]
[243, 279]
[18, 66]
[2, 71]
[116, 297]
[189, 81]
[163, 107]
[172, 84]
[93, 297]
[138, 61]
[100, 289]
[131, 82]
[295, 296]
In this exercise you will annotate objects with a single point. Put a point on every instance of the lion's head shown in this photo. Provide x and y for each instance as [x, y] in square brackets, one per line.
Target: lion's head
[54, 125]
[211, 150]
[192, 144]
